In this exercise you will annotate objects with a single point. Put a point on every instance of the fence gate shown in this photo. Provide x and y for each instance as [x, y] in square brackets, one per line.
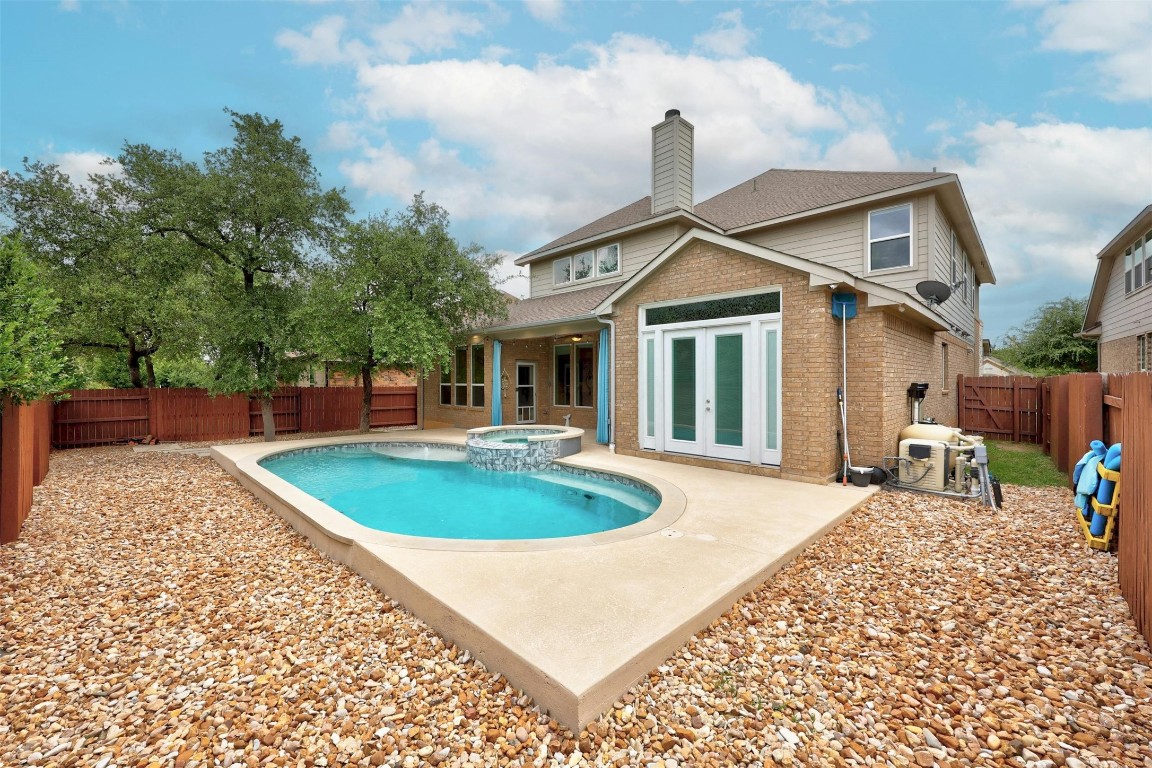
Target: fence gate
[1002, 407]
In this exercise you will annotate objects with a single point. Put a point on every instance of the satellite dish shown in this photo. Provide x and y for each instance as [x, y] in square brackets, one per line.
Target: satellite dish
[933, 291]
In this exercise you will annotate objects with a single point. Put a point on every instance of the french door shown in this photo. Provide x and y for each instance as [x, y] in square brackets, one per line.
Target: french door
[707, 391]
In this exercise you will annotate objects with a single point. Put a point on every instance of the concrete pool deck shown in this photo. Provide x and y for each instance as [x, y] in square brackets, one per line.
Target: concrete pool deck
[576, 626]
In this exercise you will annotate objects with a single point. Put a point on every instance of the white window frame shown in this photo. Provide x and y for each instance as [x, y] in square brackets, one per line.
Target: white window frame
[557, 263]
[911, 235]
[944, 388]
[597, 257]
[1143, 345]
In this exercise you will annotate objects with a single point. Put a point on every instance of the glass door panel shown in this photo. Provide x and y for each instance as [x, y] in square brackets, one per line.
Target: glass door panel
[726, 404]
[684, 389]
[525, 393]
[770, 391]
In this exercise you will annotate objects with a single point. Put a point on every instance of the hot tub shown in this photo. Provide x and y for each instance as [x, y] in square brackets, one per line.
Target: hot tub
[521, 448]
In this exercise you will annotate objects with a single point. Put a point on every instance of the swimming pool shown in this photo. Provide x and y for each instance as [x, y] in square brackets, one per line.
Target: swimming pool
[433, 492]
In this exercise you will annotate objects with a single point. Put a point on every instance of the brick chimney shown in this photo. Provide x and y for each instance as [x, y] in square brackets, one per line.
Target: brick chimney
[672, 164]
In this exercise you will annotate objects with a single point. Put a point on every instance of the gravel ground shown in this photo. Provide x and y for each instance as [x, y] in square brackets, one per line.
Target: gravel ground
[155, 614]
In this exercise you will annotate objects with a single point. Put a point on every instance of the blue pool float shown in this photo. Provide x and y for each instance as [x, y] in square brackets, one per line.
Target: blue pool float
[1105, 491]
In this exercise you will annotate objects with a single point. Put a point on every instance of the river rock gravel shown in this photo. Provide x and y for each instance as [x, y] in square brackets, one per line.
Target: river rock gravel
[156, 614]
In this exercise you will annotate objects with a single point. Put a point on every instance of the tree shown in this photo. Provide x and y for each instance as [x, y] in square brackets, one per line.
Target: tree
[1047, 345]
[31, 362]
[398, 293]
[122, 293]
[256, 211]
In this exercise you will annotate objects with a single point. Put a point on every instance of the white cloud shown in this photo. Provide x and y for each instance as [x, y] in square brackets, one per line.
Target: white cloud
[547, 11]
[80, 165]
[1048, 197]
[837, 31]
[849, 67]
[320, 46]
[420, 28]
[728, 36]
[70, 6]
[1116, 33]
[553, 145]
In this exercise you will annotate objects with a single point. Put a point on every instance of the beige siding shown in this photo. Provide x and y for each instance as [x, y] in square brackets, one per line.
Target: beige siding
[840, 240]
[959, 310]
[1124, 315]
[672, 165]
[636, 250]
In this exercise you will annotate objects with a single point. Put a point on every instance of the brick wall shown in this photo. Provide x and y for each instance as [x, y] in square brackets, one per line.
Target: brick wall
[1118, 356]
[809, 353]
[886, 353]
[538, 351]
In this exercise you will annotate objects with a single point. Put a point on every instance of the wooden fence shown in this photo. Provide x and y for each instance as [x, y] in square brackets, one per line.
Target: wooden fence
[1001, 407]
[24, 446]
[110, 416]
[1076, 409]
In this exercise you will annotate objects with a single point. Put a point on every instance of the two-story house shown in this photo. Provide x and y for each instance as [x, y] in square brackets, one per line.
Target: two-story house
[1119, 313]
[704, 332]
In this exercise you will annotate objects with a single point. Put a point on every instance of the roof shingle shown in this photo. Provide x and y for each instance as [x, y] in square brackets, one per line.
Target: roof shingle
[556, 307]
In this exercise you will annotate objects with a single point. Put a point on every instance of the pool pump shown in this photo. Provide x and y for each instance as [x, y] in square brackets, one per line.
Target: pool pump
[937, 459]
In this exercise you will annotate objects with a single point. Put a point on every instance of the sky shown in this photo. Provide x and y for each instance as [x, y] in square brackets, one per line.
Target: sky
[526, 120]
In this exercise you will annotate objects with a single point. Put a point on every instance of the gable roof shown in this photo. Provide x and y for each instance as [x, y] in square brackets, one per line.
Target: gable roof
[780, 192]
[774, 194]
[1104, 264]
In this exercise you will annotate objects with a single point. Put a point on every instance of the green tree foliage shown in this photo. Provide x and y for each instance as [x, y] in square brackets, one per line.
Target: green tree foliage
[122, 292]
[1046, 344]
[31, 362]
[398, 293]
[255, 210]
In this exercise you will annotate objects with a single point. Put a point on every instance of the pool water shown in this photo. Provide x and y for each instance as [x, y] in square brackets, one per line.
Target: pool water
[452, 499]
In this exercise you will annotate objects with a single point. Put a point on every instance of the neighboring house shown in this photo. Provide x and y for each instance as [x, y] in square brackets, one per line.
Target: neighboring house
[994, 366]
[703, 332]
[328, 375]
[1119, 314]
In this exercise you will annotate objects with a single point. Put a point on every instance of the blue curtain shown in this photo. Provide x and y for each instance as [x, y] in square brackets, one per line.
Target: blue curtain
[497, 409]
[602, 389]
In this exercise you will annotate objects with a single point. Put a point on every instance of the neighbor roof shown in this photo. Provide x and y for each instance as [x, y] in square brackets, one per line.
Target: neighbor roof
[771, 195]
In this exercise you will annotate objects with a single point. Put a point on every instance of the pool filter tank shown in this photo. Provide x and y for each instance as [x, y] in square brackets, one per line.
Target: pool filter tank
[935, 458]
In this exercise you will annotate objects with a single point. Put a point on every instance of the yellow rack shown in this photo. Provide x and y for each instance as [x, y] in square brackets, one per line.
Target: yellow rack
[1110, 511]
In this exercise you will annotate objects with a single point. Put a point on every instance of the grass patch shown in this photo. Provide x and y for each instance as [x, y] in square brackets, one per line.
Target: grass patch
[1023, 464]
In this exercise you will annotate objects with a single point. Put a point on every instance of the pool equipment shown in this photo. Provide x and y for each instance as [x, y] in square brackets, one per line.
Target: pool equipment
[934, 458]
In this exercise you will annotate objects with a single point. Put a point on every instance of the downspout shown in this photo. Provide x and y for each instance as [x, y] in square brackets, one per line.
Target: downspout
[611, 385]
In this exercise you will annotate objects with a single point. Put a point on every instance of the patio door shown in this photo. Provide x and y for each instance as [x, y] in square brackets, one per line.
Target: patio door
[525, 393]
[707, 391]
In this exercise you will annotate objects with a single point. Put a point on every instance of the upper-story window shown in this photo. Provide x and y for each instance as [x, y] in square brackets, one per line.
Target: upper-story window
[587, 265]
[890, 238]
[1138, 263]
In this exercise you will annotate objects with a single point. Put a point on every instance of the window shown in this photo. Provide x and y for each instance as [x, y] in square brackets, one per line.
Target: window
[562, 370]
[460, 375]
[944, 367]
[455, 384]
[562, 271]
[584, 266]
[584, 376]
[890, 238]
[1148, 256]
[608, 260]
[445, 385]
[714, 309]
[957, 273]
[1137, 265]
[574, 375]
[477, 375]
[1142, 351]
